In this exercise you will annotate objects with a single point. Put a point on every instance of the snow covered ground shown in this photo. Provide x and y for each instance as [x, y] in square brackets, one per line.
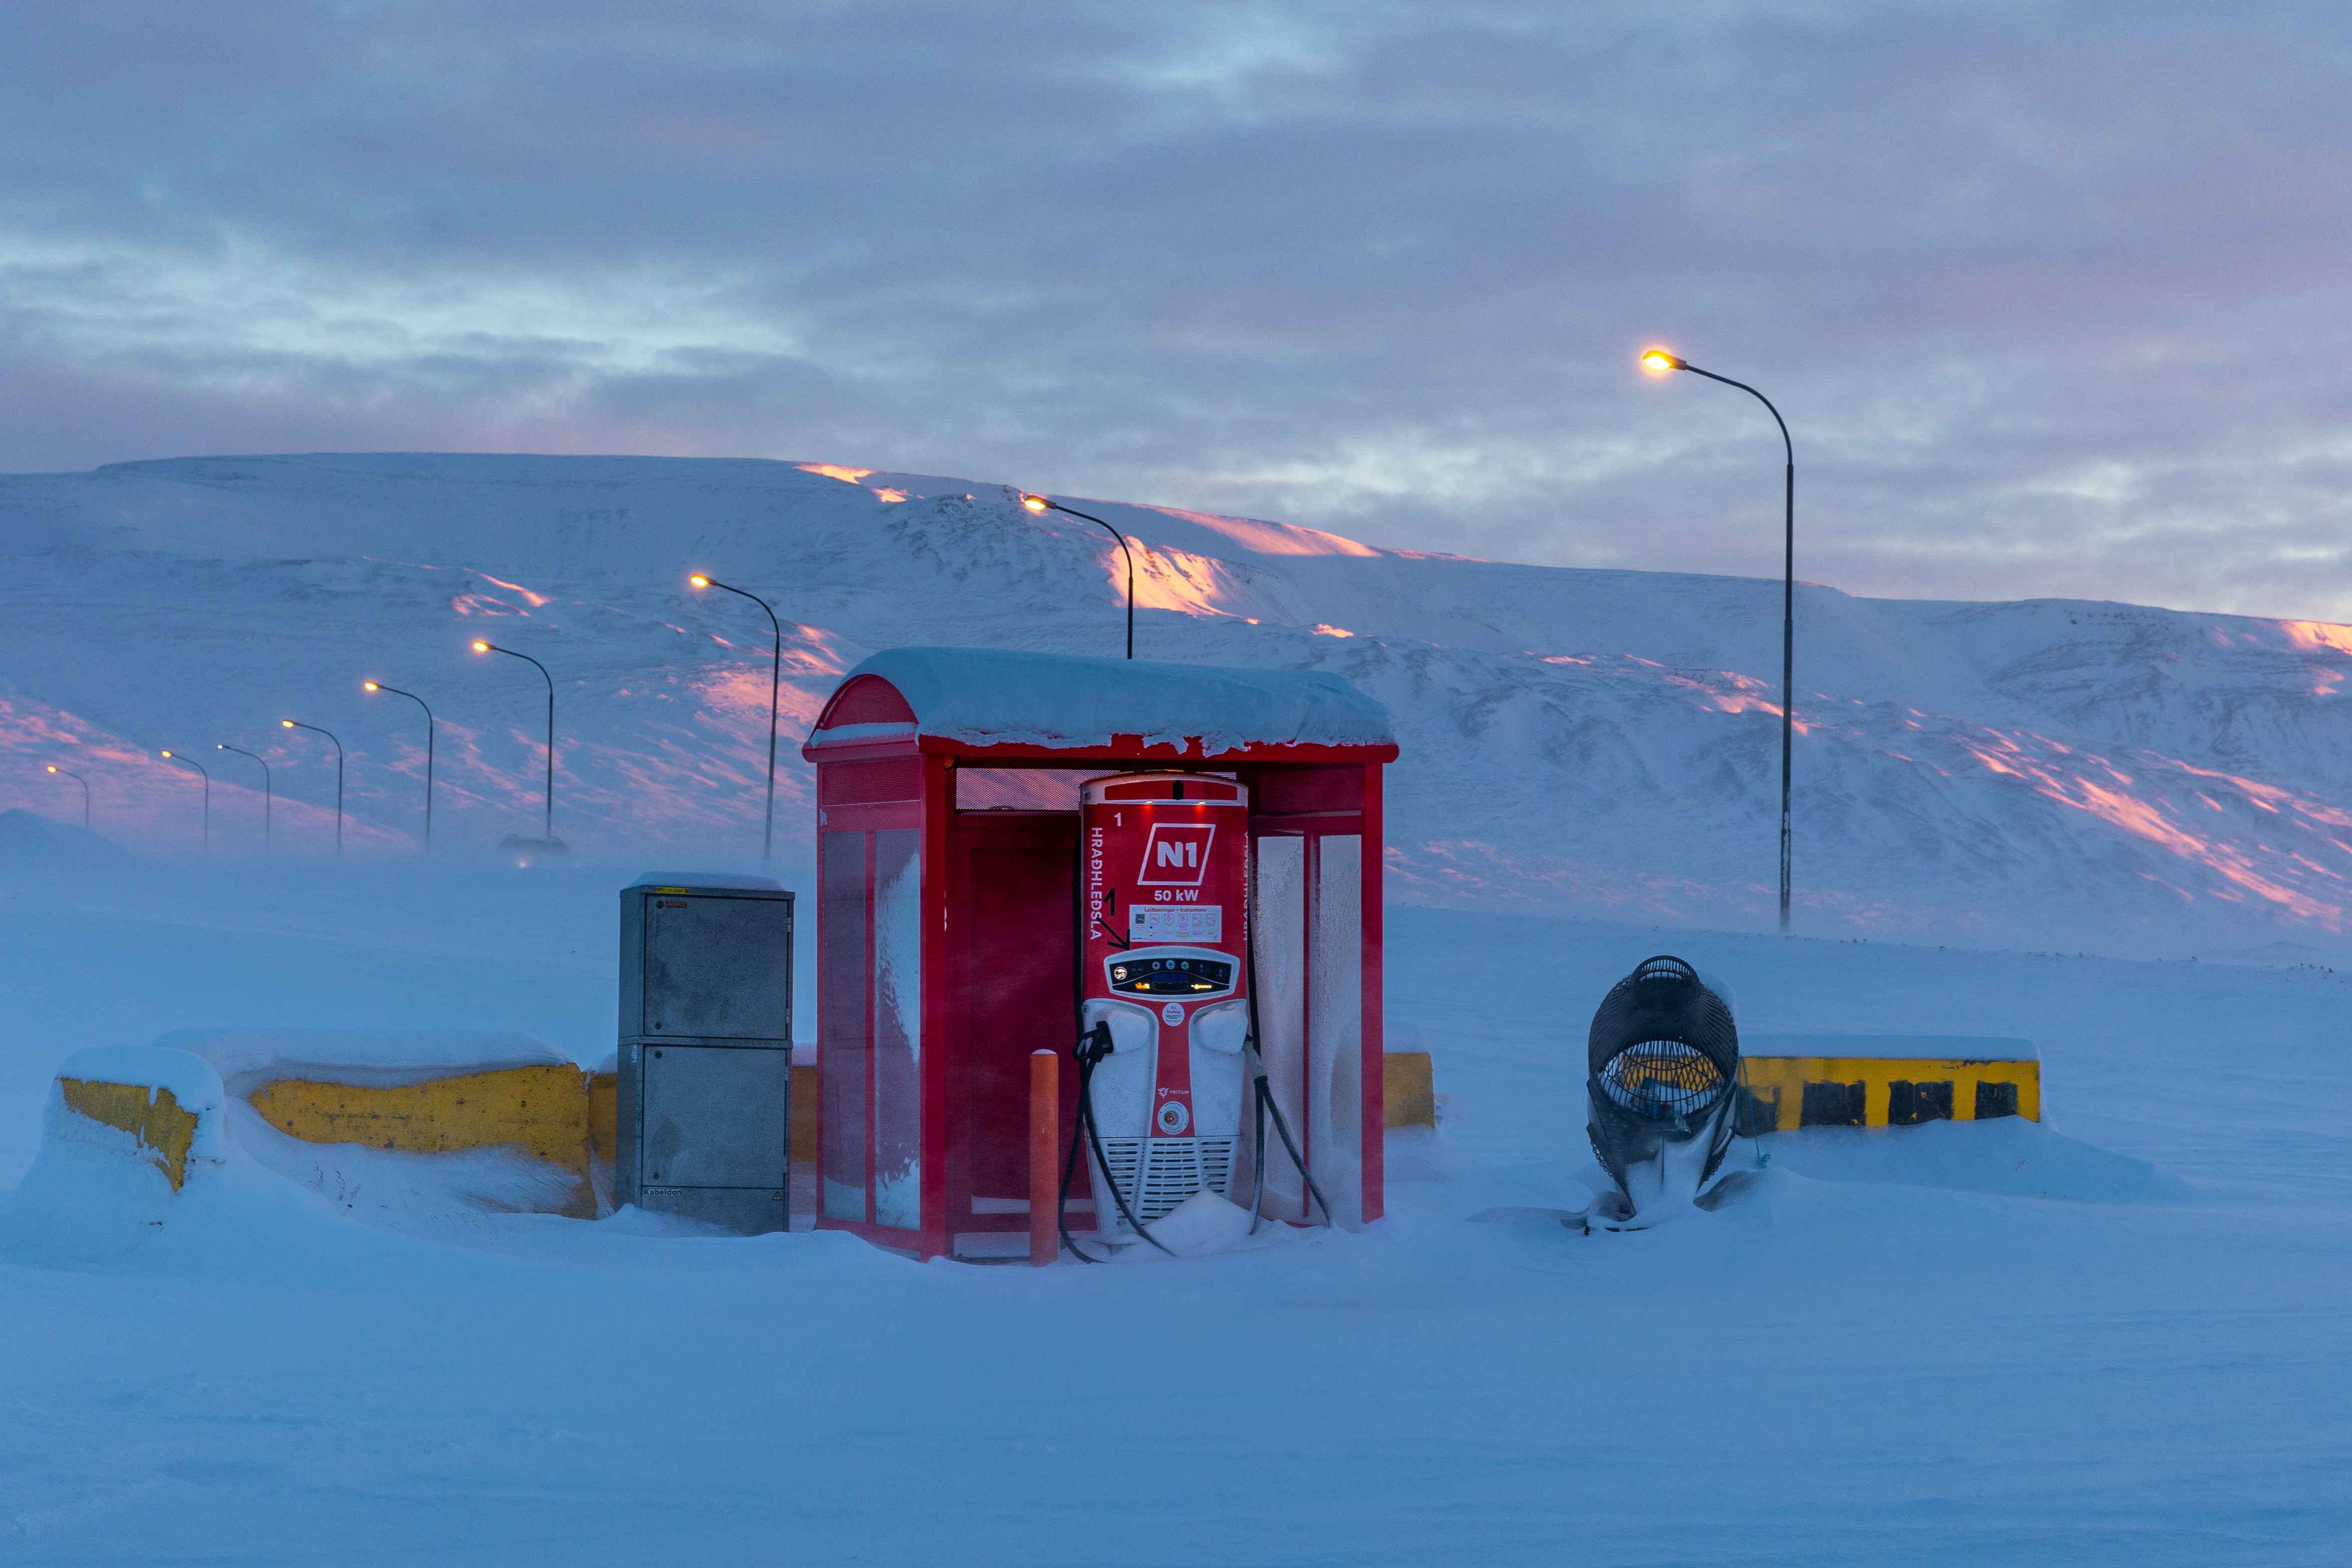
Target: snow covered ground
[2117, 1337]
[1902, 1351]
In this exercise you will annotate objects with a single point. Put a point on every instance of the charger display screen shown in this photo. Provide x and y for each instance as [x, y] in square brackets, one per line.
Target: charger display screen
[1170, 976]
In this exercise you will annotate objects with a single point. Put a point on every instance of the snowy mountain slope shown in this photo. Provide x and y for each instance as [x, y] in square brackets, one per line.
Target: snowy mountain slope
[2047, 773]
[2225, 691]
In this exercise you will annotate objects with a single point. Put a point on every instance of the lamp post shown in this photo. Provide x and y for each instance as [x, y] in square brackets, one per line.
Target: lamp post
[267, 802]
[411, 696]
[1040, 505]
[175, 756]
[70, 773]
[297, 724]
[1660, 362]
[482, 647]
[775, 682]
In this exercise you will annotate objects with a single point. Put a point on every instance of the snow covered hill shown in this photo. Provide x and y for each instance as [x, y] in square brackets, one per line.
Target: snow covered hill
[2044, 774]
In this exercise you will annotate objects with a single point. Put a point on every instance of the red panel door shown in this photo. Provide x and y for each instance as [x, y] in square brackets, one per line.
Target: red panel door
[1018, 912]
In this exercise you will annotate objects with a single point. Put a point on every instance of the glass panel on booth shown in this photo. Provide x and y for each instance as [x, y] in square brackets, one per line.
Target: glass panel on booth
[1278, 935]
[1016, 788]
[843, 1042]
[898, 1027]
[1335, 1008]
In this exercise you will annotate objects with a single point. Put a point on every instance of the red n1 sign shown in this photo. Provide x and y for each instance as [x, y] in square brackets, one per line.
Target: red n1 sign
[1177, 853]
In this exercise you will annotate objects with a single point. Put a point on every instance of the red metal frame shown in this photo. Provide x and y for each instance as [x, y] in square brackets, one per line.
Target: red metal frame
[1304, 790]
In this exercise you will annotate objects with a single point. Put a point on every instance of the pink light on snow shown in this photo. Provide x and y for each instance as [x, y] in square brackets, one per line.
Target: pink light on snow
[1269, 538]
[533, 599]
[482, 604]
[2315, 634]
[1176, 580]
[2147, 815]
[1721, 691]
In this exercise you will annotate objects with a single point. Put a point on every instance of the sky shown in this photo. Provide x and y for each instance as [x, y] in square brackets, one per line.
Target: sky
[2053, 296]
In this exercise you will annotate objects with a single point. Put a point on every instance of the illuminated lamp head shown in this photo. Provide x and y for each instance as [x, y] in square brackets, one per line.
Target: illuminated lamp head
[481, 647]
[699, 580]
[167, 753]
[53, 768]
[1660, 361]
[370, 686]
[1036, 503]
[287, 722]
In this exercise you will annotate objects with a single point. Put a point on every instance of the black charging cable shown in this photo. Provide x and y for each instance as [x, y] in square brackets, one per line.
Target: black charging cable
[1091, 1049]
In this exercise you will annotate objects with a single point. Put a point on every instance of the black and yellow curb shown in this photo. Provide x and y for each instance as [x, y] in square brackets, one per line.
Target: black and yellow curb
[1835, 1083]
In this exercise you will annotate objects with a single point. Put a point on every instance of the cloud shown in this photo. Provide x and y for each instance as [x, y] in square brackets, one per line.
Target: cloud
[2051, 296]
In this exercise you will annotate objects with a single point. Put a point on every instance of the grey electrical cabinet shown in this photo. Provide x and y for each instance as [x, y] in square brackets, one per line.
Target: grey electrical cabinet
[704, 1114]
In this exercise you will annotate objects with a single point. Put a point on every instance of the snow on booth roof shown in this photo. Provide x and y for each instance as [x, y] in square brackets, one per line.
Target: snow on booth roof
[985, 696]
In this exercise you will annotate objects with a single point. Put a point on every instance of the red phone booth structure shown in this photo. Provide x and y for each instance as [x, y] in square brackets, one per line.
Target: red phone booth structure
[951, 923]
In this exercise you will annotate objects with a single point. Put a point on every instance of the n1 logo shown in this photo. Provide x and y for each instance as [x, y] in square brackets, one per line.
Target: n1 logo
[1177, 855]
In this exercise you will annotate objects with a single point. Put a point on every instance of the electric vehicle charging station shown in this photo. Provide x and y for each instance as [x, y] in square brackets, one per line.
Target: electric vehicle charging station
[978, 811]
[703, 1113]
[1165, 970]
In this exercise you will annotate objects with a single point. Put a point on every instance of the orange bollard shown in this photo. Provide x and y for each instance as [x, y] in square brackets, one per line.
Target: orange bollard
[1044, 1129]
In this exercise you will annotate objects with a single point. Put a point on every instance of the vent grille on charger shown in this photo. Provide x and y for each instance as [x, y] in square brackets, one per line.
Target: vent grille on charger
[1173, 1170]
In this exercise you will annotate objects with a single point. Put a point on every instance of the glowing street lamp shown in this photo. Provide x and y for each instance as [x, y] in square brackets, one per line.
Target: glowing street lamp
[70, 773]
[175, 756]
[1041, 506]
[297, 724]
[482, 647]
[411, 696]
[267, 800]
[1660, 362]
[775, 682]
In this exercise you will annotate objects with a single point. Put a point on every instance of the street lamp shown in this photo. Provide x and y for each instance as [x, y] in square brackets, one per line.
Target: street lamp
[411, 696]
[175, 756]
[482, 647]
[1660, 362]
[297, 724]
[1041, 506]
[266, 796]
[70, 773]
[775, 682]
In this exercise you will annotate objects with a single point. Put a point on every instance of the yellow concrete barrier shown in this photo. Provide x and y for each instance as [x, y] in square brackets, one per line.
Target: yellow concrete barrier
[1883, 1080]
[153, 1116]
[1408, 1090]
[543, 1110]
